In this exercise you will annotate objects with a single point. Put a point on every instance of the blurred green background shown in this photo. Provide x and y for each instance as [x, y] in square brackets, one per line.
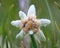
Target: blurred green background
[49, 9]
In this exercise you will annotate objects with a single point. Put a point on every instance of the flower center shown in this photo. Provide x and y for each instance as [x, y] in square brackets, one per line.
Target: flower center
[30, 24]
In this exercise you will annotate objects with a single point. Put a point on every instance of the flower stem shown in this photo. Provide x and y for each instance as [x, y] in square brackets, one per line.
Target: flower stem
[33, 41]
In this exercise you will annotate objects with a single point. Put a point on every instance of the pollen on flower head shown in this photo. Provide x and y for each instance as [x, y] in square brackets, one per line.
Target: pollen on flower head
[30, 23]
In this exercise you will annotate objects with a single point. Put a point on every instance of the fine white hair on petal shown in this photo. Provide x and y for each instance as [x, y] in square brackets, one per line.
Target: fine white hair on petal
[31, 11]
[44, 22]
[20, 34]
[22, 15]
[40, 35]
[16, 23]
[30, 32]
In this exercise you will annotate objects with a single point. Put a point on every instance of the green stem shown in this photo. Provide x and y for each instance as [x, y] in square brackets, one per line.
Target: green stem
[33, 41]
[6, 43]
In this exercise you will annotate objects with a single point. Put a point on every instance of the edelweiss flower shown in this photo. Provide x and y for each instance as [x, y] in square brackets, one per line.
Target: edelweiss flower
[29, 24]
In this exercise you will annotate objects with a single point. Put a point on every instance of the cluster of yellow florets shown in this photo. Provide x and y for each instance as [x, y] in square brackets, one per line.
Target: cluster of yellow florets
[30, 23]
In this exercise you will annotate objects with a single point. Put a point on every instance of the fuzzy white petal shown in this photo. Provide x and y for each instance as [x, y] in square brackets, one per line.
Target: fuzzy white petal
[30, 32]
[40, 35]
[44, 22]
[31, 11]
[20, 34]
[16, 23]
[22, 15]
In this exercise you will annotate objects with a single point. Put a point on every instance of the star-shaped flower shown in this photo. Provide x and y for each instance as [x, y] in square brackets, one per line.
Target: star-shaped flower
[30, 24]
